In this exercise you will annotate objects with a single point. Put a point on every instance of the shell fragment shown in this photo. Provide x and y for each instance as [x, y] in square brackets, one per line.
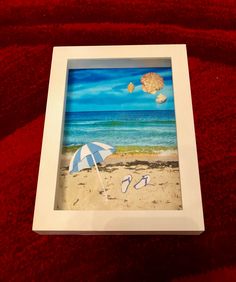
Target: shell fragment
[130, 87]
[161, 99]
[152, 82]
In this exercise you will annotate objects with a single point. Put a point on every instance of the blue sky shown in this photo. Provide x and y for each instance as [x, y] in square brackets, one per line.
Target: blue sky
[106, 90]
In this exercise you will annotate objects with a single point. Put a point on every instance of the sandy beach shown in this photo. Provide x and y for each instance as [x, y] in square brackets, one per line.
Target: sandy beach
[83, 191]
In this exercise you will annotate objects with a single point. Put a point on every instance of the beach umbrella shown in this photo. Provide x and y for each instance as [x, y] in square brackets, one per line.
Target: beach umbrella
[90, 155]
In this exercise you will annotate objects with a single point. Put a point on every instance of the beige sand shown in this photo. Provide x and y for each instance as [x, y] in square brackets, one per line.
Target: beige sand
[83, 191]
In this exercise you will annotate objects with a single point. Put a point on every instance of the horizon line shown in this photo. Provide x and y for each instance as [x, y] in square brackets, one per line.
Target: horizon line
[119, 111]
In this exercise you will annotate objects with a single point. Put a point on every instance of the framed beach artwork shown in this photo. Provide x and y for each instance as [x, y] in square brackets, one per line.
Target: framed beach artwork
[119, 152]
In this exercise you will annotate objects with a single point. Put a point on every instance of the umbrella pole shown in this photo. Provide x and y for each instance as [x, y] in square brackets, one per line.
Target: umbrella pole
[99, 176]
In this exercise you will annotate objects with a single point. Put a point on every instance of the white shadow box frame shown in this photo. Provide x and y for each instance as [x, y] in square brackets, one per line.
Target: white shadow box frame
[47, 219]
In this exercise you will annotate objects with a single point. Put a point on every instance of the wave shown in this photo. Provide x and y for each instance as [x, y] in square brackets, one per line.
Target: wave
[123, 128]
[122, 139]
[115, 123]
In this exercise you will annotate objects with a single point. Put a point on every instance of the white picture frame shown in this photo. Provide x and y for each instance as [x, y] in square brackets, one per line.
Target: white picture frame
[48, 220]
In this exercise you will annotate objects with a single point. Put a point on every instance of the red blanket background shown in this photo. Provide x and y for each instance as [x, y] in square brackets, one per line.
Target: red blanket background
[28, 31]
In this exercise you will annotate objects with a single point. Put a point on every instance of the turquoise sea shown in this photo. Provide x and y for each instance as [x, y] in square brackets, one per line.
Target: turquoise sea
[121, 128]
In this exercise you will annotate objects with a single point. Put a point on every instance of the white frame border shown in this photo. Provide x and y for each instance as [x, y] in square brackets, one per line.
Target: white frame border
[189, 220]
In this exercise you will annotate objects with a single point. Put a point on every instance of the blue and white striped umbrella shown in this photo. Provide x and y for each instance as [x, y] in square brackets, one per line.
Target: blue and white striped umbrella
[89, 155]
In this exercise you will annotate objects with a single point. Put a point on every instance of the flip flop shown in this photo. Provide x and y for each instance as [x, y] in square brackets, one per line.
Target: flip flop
[142, 182]
[125, 183]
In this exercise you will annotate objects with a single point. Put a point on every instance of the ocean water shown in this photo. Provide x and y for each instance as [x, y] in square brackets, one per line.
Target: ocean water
[121, 128]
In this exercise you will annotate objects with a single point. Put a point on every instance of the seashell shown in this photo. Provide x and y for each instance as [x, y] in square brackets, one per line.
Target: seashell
[161, 99]
[152, 82]
[131, 87]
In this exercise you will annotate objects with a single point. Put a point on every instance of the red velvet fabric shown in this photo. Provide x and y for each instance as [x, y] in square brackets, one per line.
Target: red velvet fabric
[28, 31]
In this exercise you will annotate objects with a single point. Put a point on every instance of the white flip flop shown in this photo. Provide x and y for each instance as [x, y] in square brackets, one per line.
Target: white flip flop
[125, 183]
[142, 182]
